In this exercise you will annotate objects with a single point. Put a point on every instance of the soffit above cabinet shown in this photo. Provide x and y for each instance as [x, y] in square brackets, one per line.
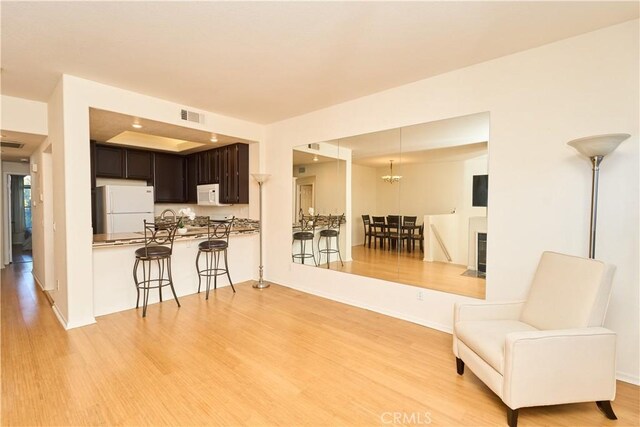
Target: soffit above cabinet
[116, 128]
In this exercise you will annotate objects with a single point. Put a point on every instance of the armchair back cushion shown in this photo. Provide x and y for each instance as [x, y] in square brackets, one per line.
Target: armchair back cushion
[568, 292]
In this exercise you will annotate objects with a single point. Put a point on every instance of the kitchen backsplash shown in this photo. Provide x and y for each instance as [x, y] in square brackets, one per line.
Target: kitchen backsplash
[239, 211]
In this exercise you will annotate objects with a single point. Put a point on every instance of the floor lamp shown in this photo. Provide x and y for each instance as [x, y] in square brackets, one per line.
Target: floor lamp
[596, 148]
[261, 178]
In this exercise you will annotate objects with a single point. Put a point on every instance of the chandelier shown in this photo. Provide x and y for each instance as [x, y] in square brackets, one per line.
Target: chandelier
[391, 178]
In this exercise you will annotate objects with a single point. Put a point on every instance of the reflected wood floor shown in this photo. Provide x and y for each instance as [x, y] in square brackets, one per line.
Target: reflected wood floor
[272, 357]
[409, 268]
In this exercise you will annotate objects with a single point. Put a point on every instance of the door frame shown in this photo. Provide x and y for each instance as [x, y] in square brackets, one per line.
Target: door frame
[7, 234]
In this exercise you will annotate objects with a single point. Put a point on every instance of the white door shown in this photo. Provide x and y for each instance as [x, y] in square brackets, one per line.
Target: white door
[126, 199]
[306, 198]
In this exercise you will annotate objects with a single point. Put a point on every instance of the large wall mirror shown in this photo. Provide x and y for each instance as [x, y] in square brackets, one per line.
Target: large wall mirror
[407, 205]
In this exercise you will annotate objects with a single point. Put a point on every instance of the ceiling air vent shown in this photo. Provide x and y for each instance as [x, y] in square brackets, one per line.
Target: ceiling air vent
[315, 146]
[191, 116]
[11, 144]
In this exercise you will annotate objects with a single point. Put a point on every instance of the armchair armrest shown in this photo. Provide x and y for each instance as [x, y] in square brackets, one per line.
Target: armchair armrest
[487, 311]
[559, 366]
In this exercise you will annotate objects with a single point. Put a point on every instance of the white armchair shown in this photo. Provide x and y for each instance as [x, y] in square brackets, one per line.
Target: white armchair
[550, 349]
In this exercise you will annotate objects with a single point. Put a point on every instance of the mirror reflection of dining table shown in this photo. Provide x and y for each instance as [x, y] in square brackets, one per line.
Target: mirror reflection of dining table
[390, 232]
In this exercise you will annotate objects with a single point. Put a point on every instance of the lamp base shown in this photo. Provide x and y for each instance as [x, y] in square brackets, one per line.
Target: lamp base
[261, 284]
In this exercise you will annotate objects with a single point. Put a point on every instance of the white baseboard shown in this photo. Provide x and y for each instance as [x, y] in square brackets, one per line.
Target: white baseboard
[60, 317]
[627, 378]
[391, 313]
[35, 277]
[66, 325]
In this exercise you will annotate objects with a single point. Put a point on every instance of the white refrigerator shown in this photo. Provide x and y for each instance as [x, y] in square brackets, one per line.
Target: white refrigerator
[123, 208]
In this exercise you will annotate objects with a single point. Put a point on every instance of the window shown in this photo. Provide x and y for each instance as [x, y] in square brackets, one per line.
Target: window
[26, 182]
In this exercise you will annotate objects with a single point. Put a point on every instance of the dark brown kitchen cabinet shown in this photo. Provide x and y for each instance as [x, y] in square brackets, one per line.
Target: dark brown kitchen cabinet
[109, 161]
[169, 178]
[208, 167]
[234, 173]
[214, 166]
[139, 164]
[204, 168]
[192, 178]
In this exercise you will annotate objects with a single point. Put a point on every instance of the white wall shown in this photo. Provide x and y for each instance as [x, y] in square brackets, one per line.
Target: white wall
[363, 198]
[20, 115]
[539, 188]
[69, 134]
[42, 216]
[329, 189]
[23, 115]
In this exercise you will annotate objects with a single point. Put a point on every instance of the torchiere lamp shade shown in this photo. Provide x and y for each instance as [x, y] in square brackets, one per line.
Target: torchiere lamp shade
[599, 145]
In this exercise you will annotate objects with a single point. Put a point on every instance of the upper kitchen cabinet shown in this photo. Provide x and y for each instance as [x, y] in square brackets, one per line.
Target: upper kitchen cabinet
[139, 164]
[169, 178]
[234, 173]
[192, 178]
[109, 161]
[118, 162]
[208, 169]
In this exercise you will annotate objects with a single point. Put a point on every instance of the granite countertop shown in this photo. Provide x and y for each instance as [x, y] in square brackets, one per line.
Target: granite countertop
[244, 226]
[322, 221]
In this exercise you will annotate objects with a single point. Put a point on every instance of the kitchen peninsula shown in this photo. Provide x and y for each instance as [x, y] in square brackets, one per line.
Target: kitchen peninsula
[113, 258]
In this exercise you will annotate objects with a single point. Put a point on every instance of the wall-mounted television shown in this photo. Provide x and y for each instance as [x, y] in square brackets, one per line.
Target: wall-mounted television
[480, 190]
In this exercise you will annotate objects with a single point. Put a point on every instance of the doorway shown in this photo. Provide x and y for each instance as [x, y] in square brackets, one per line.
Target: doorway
[20, 220]
[305, 195]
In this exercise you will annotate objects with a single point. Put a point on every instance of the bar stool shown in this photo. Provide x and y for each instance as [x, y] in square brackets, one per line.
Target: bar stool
[156, 238]
[213, 248]
[332, 231]
[306, 233]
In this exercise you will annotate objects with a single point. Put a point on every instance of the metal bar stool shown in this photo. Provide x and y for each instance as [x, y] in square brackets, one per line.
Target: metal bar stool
[214, 248]
[332, 231]
[156, 238]
[306, 233]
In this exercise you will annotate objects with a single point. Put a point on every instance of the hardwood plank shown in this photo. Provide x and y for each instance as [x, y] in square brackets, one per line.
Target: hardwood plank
[272, 357]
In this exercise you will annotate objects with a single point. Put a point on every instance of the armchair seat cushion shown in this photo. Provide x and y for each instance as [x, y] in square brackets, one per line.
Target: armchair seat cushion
[488, 337]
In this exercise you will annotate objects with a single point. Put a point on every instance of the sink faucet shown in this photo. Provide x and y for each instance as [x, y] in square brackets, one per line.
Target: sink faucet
[171, 211]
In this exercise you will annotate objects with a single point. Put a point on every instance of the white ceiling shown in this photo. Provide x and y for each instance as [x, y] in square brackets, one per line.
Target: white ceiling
[266, 61]
[30, 143]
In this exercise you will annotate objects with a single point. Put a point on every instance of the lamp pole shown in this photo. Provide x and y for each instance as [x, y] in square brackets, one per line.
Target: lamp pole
[595, 176]
[261, 178]
[596, 148]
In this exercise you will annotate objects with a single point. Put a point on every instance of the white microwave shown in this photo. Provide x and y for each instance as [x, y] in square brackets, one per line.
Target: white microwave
[209, 195]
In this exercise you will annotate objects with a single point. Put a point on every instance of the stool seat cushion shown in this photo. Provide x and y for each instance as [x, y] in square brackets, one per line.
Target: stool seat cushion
[303, 235]
[209, 245]
[329, 233]
[153, 252]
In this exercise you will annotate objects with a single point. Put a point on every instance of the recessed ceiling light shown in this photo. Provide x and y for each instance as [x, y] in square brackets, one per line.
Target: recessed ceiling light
[24, 160]
[315, 158]
[214, 138]
[136, 124]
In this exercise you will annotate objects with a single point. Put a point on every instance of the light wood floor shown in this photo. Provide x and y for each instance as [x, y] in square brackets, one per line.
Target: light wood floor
[409, 268]
[272, 357]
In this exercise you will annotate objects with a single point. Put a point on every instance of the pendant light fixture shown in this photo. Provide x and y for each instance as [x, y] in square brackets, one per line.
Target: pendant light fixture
[391, 178]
